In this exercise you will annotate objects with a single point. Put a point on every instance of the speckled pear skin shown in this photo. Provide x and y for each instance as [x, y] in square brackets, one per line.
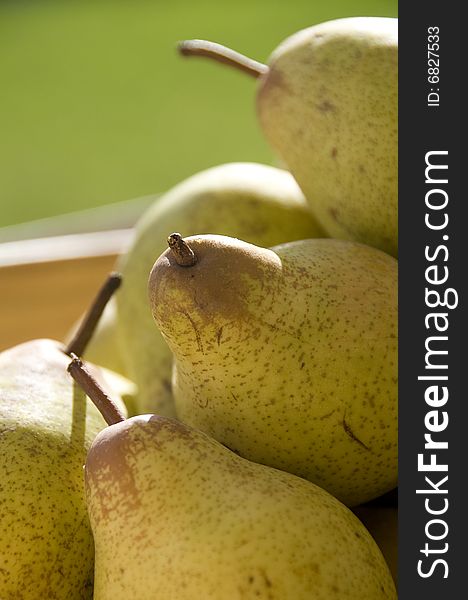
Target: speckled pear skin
[329, 107]
[177, 516]
[288, 355]
[261, 204]
[46, 427]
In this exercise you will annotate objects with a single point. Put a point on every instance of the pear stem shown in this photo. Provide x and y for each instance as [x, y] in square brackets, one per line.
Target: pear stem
[183, 254]
[223, 55]
[106, 406]
[86, 329]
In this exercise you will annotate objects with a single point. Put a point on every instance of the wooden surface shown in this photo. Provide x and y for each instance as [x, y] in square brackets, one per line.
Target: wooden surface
[46, 284]
[45, 299]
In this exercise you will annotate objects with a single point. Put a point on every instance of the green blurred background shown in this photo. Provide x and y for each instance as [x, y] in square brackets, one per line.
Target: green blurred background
[96, 106]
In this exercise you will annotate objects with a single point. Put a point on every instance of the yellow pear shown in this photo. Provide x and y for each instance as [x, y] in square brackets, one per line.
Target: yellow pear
[259, 203]
[287, 355]
[329, 106]
[177, 516]
[46, 427]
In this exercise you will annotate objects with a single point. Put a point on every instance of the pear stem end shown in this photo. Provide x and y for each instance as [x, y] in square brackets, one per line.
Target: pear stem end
[181, 251]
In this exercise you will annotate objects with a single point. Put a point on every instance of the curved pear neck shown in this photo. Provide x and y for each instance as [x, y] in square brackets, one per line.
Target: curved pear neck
[224, 55]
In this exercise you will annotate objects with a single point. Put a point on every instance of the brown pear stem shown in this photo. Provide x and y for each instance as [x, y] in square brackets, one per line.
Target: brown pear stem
[86, 329]
[223, 55]
[106, 406]
[183, 254]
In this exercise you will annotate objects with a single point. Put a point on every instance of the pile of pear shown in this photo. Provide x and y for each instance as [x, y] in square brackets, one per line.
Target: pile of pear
[260, 349]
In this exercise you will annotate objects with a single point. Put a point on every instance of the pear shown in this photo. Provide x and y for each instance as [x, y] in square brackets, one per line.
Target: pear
[287, 355]
[382, 524]
[259, 203]
[46, 427]
[328, 104]
[177, 516]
